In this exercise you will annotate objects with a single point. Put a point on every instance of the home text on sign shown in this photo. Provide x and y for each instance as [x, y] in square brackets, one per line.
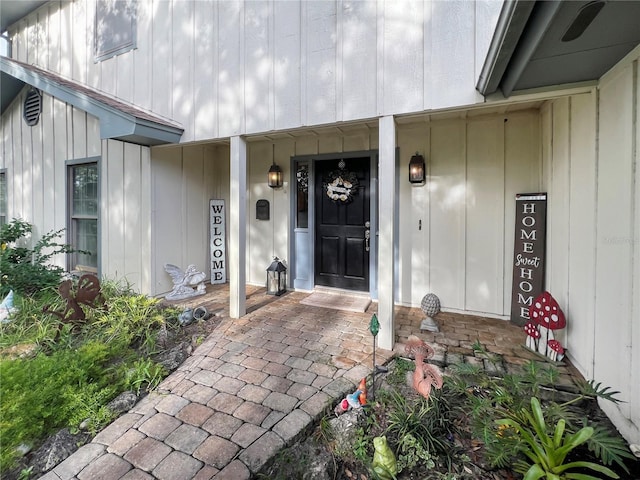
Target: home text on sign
[528, 254]
[218, 242]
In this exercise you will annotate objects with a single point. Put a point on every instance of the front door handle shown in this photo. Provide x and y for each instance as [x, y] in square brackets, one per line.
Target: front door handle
[367, 236]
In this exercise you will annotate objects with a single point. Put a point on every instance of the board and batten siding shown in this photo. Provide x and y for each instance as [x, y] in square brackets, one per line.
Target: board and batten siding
[590, 167]
[230, 68]
[183, 180]
[35, 159]
[456, 231]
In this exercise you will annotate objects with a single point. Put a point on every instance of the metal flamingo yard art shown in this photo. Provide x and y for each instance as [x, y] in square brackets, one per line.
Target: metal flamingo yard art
[426, 375]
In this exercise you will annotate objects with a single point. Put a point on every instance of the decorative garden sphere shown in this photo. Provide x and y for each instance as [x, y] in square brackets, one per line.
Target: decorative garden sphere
[430, 305]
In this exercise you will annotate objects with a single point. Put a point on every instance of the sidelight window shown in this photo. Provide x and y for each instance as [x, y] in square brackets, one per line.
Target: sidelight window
[302, 195]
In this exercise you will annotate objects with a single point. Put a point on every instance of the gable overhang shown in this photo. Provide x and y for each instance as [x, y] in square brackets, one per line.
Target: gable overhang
[542, 44]
[118, 120]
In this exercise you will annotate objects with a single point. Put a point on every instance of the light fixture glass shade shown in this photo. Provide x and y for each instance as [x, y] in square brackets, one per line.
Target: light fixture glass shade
[275, 176]
[416, 169]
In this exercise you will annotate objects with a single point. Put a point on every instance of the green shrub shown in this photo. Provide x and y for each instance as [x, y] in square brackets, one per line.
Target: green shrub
[428, 420]
[547, 452]
[132, 318]
[47, 392]
[487, 400]
[25, 270]
[30, 324]
[76, 370]
[144, 374]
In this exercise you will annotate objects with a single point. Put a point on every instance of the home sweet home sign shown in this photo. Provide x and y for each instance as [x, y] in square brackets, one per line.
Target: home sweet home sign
[528, 253]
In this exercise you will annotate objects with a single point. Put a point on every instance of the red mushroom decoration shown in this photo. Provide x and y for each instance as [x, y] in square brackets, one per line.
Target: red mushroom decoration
[546, 312]
[556, 352]
[533, 334]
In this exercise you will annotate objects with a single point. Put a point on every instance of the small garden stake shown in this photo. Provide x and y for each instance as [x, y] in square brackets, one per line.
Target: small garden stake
[374, 328]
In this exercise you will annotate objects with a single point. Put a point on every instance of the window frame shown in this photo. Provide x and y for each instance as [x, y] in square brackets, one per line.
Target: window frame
[4, 216]
[101, 52]
[72, 258]
[301, 197]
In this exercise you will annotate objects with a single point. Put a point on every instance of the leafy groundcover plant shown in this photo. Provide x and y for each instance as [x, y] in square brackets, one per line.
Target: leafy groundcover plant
[521, 414]
[58, 374]
[474, 428]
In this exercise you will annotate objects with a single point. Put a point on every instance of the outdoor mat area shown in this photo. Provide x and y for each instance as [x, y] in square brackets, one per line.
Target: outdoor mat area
[338, 301]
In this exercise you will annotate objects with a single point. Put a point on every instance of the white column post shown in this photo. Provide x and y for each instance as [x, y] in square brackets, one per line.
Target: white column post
[238, 228]
[387, 230]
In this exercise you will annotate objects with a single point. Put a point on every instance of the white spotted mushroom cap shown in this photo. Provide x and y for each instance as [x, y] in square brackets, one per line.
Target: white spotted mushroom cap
[556, 346]
[531, 330]
[546, 312]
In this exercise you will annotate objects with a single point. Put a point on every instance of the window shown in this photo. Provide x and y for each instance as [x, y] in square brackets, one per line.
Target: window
[115, 29]
[3, 197]
[302, 195]
[83, 216]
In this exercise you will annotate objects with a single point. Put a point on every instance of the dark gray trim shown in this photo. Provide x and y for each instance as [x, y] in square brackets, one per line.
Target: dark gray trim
[538, 24]
[118, 120]
[511, 23]
[3, 171]
[373, 195]
[519, 31]
[68, 195]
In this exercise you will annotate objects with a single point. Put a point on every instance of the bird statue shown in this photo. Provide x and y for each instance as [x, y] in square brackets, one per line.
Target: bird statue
[189, 283]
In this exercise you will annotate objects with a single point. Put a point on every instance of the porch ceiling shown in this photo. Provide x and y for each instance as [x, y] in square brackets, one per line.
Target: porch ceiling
[548, 43]
[13, 10]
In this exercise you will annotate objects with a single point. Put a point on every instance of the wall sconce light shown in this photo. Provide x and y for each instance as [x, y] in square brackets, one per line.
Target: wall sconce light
[416, 169]
[275, 176]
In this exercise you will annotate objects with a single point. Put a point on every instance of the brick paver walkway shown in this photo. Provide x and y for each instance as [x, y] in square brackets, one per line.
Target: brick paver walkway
[258, 383]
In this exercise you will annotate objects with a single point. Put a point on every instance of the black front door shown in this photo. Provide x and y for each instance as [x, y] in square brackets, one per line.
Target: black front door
[342, 223]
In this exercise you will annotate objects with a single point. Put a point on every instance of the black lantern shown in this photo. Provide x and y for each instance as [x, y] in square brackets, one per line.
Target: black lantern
[275, 176]
[276, 278]
[416, 169]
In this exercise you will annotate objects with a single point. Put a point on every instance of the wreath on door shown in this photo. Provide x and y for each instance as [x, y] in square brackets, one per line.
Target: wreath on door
[341, 186]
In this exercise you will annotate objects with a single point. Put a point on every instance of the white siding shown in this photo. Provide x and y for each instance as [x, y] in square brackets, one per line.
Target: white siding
[447, 186]
[591, 174]
[456, 232]
[234, 67]
[485, 218]
[617, 248]
[183, 180]
[36, 171]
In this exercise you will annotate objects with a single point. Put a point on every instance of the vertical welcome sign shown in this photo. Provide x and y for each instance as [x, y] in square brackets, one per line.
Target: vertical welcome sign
[528, 254]
[218, 242]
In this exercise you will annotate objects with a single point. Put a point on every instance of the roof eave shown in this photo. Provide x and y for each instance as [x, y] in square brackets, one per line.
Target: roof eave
[519, 31]
[114, 123]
